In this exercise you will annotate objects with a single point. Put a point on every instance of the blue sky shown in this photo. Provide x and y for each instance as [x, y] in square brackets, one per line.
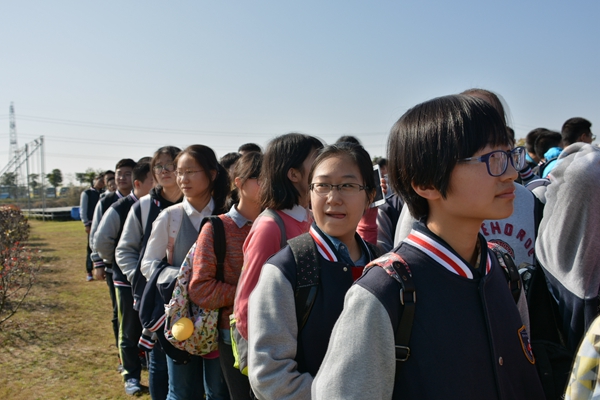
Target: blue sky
[107, 80]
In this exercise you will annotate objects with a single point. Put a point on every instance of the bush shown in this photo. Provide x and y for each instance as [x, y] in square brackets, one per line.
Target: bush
[18, 264]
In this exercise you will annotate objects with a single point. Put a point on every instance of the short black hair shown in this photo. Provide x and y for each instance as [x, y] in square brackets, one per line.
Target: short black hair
[348, 139]
[545, 141]
[141, 169]
[249, 147]
[532, 137]
[284, 152]
[229, 159]
[573, 128]
[125, 162]
[382, 162]
[354, 152]
[429, 139]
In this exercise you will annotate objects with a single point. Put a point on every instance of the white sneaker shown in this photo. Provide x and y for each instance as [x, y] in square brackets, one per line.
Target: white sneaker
[132, 386]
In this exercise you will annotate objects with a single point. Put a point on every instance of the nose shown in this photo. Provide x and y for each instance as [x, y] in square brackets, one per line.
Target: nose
[511, 172]
[334, 196]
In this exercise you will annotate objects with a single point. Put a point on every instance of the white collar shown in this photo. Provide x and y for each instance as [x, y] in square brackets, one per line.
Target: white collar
[189, 210]
[297, 212]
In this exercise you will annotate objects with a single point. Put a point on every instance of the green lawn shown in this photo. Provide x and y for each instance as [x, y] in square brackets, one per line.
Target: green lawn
[59, 345]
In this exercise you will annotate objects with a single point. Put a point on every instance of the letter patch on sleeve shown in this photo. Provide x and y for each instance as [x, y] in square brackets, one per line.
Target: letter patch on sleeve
[525, 344]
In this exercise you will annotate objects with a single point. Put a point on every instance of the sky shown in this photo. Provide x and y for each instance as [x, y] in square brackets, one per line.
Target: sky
[101, 81]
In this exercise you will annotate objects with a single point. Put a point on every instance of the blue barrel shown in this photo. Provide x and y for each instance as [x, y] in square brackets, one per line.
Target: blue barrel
[75, 213]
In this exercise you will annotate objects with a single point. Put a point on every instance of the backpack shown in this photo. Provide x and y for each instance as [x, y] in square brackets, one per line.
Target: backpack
[204, 338]
[553, 358]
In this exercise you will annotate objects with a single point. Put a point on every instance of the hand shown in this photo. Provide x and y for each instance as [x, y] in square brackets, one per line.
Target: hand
[88, 229]
[99, 274]
[384, 186]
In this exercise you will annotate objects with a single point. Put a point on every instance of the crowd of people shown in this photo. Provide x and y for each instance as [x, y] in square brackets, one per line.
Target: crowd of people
[324, 293]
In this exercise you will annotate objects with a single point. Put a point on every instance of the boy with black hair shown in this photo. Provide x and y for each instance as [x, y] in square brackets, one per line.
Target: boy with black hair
[577, 130]
[248, 147]
[124, 170]
[547, 148]
[88, 200]
[106, 240]
[450, 161]
[108, 176]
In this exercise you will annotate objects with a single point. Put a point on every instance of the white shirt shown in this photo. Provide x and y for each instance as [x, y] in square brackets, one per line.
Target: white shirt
[156, 249]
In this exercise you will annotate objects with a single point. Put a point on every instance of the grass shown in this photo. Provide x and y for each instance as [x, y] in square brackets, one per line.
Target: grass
[60, 344]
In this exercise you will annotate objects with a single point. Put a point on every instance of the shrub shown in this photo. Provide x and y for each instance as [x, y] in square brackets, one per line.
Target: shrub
[19, 264]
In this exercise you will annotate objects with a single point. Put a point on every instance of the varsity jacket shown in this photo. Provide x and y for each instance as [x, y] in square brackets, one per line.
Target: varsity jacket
[108, 235]
[281, 361]
[87, 203]
[103, 205]
[467, 341]
[133, 239]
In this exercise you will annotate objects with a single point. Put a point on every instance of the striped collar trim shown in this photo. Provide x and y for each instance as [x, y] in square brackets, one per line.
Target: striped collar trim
[442, 255]
[322, 246]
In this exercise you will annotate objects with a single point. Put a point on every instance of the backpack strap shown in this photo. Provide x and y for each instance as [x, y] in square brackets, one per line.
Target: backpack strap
[308, 271]
[275, 216]
[175, 215]
[219, 241]
[398, 269]
[508, 265]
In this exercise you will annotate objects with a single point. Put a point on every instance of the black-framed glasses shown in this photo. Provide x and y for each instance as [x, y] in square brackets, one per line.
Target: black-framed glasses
[169, 167]
[323, 189]
[497, 160]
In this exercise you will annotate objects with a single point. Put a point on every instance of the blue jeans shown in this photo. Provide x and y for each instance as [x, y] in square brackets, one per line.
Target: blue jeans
[158, 375]
[185, 382]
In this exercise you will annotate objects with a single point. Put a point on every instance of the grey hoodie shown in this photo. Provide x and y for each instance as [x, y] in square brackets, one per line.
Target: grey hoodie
[569, 237]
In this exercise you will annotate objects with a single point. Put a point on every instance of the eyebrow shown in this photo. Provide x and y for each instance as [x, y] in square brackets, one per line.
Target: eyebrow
[343, 177]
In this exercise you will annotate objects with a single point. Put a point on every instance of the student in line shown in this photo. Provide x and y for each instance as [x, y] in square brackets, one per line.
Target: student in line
[205, 185]
[450, 160]
[131, 248]
[283, 189]
[284, 357]
[107, 238]
[103, 268]
[204, 289]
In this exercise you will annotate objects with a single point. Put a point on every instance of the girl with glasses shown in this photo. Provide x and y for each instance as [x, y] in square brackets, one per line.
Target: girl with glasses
[204, 289]
[136, 233]
[205, 185]
[283, 356]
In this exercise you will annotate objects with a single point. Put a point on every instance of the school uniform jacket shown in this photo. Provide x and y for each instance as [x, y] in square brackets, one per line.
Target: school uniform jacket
[467, 341]
[281, 361]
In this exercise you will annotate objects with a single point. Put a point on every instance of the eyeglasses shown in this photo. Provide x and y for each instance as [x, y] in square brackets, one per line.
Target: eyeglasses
[497, 161]
[170, 167]
[188, 172]
[323, 189]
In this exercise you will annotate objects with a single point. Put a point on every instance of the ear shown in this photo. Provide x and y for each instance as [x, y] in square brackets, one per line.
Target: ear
[238, 182]
[137, 184]
[213, 174]
[294, 175]
[370, 198]
[428, 192]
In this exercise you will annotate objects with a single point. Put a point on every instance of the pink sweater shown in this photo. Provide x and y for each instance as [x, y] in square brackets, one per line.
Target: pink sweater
[262, 242]
[204, 290]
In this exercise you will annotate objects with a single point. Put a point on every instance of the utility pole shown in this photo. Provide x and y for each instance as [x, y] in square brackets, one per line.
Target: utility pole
[14, 149]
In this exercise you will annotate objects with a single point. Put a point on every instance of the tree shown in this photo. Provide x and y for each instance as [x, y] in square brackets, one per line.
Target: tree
[55, 178]
[10, 179]
[33, 180]
[87, 177]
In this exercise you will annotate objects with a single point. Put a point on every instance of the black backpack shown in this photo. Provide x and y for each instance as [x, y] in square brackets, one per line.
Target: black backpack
[553, 359]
